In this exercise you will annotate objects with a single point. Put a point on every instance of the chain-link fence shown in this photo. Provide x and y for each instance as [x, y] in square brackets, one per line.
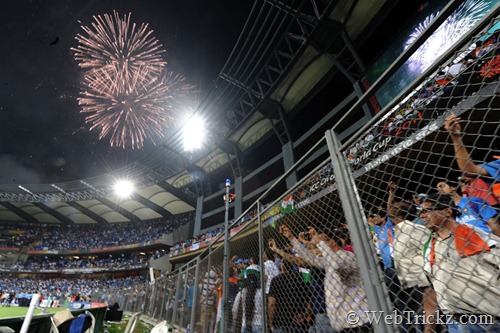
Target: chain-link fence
[397, 229]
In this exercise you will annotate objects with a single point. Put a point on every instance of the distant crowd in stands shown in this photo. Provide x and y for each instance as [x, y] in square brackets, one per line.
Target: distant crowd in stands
[195, 240]
[44, 263]
[79, 237]
[71, 289]
[179, 247]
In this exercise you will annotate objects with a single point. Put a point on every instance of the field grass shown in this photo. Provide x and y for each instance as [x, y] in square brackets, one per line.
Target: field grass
[17, 311]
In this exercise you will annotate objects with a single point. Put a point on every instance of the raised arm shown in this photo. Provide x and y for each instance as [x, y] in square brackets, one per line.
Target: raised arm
[307, 255]
[285, 255]
[464, 161]
[392, 186]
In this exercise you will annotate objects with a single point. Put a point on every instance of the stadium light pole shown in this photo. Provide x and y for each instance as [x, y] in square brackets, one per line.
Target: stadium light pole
[225, 267]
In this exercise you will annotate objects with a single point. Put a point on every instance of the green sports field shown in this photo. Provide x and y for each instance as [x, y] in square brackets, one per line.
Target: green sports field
[16, 311]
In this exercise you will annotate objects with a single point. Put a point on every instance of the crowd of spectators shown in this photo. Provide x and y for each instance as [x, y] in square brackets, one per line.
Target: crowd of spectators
[37, 263]
[463, 77]
[293, 286]
[439, 250]
[63, 289]
[79, 237]
[438, 254]
[207, 236]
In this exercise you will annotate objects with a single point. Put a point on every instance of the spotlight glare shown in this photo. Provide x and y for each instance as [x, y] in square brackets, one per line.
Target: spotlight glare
[123, 188]
[193, 134]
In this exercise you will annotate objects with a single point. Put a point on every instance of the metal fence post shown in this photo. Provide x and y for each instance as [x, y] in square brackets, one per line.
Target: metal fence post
[376, 294]
[176, 297]
[262, 269]
[196, 292]
[184, 296]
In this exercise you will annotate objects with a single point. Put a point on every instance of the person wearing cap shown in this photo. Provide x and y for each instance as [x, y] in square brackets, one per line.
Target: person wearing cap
[462, 267]
[241, 266]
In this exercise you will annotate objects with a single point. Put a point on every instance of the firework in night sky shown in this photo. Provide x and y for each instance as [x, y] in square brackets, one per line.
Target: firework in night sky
[114, 41]
[183, 94]
[127, 93]
[129, 112]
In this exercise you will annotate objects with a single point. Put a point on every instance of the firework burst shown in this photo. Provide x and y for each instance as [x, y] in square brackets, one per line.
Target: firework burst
[129, 112]
[114, 41]
[125, 94]
[183, 94]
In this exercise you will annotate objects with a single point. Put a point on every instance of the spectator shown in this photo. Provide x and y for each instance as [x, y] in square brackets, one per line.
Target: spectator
[383, 231]
[316, 288]
[343, 286]
[474, 212]
[270, 269]
[207, 302]
[477, 186]
[417, 199]
[286, 310]
[462, 267]
[416, 294]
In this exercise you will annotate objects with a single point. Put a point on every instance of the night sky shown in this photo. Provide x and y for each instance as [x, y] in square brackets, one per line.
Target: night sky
[43, 135]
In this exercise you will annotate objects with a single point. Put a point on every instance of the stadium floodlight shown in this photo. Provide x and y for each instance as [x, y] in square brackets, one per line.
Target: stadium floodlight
[193, 133]
[123, 188]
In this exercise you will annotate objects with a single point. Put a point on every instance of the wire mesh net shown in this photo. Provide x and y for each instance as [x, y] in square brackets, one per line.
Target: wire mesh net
[425, 182]
[426, 175]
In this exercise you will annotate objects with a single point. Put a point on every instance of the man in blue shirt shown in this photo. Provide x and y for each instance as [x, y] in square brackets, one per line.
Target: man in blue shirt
[382, 226]
[474, 212]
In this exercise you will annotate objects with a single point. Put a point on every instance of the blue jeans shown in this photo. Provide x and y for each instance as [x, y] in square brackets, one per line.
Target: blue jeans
[321, 324]
[478, 328]
[455, 327]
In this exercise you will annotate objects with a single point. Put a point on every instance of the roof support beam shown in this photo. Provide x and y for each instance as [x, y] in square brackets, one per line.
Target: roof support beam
[178, 193]
[55, 213]
[88, 212]
[131, 216]
[19, 212]
[151, 205]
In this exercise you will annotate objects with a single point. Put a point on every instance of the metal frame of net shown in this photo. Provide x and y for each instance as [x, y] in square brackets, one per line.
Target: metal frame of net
[396, 230]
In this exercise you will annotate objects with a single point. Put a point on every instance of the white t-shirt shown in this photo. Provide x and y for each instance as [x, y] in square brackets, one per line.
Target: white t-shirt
[271, 272]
